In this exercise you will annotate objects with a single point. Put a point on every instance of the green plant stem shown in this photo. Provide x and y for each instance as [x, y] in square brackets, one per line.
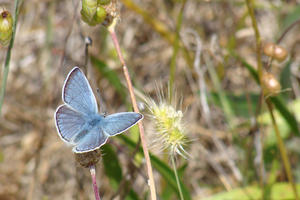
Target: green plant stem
[176, 46]
[8, 54]
[113, 35]
[280, 143]
[176, 176]
[257, 38]
[282, 150]
[221, 94]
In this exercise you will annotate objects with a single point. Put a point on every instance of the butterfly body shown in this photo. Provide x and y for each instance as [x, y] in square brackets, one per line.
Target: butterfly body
[78, 122]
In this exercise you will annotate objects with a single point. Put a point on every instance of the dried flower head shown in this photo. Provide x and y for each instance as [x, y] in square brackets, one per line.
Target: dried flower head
[270, 85]
[275, 51]
[168, 126]
[6, 26]
[89, 158]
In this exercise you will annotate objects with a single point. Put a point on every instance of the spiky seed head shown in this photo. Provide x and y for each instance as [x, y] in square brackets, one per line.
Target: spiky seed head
[6, 26]
[168, 126]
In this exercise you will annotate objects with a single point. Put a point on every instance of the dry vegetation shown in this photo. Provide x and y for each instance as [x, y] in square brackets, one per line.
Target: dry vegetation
[36, 164]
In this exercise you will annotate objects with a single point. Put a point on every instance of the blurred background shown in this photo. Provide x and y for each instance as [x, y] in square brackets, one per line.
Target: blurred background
[232, 147]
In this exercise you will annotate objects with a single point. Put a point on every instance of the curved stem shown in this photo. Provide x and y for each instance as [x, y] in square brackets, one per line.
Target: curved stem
[287, 30]
[95, 187]
[176, 176]
[257, 38]
[282, 150]
[280, 143]
[8, 54]
[113, 35]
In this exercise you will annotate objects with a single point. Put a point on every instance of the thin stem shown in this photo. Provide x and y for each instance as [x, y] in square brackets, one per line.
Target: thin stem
[257, 38]
[176, 46]
[8, 54]
[287, 30]
[113, 35]
[95, 187]
[280, 143]
[176, 176]
[283, 152]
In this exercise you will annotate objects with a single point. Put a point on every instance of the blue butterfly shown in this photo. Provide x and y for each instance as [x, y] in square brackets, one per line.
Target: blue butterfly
[77, 120]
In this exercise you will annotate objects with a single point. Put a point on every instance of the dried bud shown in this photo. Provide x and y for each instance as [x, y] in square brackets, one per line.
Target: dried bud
[280, 53]
[270, 85]
[112, 13]
[274, 51]
[6, 25]
[89, 158]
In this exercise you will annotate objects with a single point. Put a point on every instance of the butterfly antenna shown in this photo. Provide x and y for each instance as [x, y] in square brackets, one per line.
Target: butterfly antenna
[101, 103]
[88, 42]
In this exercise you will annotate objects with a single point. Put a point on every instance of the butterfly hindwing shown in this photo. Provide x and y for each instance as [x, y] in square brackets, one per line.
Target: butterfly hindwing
[92, 140]
[119, 122]
[78, 93]
[69, 123]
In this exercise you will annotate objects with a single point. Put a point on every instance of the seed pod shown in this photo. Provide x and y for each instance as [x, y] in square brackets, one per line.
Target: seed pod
[270, 85]
[104, 2]
[89, 8]
[6, 24]
[269, 49]
[100, 15]
[87, 19]
[275, 51]
[280, 53]
[89, 158]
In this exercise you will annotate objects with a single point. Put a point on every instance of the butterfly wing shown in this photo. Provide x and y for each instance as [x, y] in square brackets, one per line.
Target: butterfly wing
[117, 123]
[69, 123]
[91, 141]
[78, 93]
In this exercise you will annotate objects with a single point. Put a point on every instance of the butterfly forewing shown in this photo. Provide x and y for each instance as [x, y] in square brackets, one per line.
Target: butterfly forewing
[78, 93]
[69, 122]
[78, 122]
[119, 122]
[93, 140]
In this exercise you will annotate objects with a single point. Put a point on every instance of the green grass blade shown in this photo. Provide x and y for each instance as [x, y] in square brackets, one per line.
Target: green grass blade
[166, 172]
[110, 75]
[286, 114]
[111, 164]
[113, 170]
[278, 191]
